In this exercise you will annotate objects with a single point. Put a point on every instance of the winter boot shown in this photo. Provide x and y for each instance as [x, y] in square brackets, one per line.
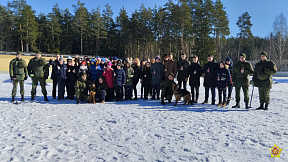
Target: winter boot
[32, 98]
[45, 98]
[22, 97]
[205, 102]
[162, 101]
[246, 105]
[213, 102]
[219, 104]
[169, 101]
[261, 107]
[228, 101]
[236, 106]
[78, 101]
[13, 99]
[103, 101]
[223, 104]
[266, 107]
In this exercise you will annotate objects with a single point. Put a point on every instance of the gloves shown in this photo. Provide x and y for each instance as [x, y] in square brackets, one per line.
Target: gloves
[252, 82]
[31, 75]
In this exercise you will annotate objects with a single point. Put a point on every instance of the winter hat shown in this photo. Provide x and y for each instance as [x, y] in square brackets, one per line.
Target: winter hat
[61, 58]
[97, 57]
[82, 74]
[109, 64]
[19, 53]
[103, 59]
[69, 58]
[229, 59]
[111, 58]
[264, 53]
[83, 63]
[157, 57]
[242, 54]
[115, 58]
[93, 60]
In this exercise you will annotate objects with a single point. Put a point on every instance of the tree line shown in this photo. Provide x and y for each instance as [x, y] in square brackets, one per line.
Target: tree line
[194, 27]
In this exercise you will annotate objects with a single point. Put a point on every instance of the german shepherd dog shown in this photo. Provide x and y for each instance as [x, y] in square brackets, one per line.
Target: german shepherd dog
[92, 92]
[181, 93]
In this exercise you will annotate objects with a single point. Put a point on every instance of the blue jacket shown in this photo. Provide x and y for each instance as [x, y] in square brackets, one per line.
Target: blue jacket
[61, 73]
[224, 75]
[101, 70]
[93, 73]
[159, 72]
[120, 77]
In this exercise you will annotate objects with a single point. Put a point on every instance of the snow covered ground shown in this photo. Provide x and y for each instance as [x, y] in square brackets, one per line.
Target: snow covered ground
[140, 130]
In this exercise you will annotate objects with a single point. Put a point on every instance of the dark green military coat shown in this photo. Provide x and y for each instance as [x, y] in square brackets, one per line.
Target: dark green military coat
[242, 79]
[38, 67]
[129, 76]
[18, 69]
[263, 73]
[81, 89]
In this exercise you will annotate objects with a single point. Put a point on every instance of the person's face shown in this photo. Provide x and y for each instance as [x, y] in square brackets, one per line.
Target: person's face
[19, 56]
[38, 55]
[170, 57]
[152, 61]
[183, 57]
[166, 58]
[102, 62]
[148, 60]
[195, 60]
[118, 67]
[143, 63]
[209, 59]
[170, 77]
[92, 62]
[263, 57]
[148, 65]
[70, 63]
[109, 67]
[157, 60]
[61, 61]
[84, 77]
[128, 65]
[135, 61]
[57, 57]
[100, 81]
[228, 62]
[221, 66]
[77, 56]
[242, 58]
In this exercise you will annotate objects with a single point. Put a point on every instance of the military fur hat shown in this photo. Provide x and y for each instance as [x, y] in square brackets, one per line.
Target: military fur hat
[242, 54]
[264, 53]
[18, 53]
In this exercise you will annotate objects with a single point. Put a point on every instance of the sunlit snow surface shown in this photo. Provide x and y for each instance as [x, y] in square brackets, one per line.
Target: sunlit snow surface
[140, 130]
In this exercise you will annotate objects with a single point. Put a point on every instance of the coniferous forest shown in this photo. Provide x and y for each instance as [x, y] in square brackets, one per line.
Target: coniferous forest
[195, 27]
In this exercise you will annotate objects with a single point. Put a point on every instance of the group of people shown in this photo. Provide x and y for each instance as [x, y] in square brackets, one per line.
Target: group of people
[116, 79]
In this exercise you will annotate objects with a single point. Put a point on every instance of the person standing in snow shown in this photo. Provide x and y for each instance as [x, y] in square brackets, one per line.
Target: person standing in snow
[182, 65]
[195, 72]
[108, 74]
[119, 82]
[93, 71]
[54, 64]
[229, 66]
[208, 72]
[170, 66]
[157, 71]
[38, 70]
[223, 80]
[71, 78]
[240, 79]
[129, 71]
[262, 77]
[146, 80]
[18, 73]
[137, 74]
[61, 78]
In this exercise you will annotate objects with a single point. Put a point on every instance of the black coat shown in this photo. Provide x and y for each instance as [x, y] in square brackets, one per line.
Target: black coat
[101, 87]
[137, 72]
[54, 65]
[209, 77]
[71, 76]
[224, 75]
[146, 81]
[182, 74]
[194, 79]
[120, 77]
[61, 73]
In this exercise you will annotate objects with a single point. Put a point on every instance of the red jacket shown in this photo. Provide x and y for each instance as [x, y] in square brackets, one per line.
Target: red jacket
[109, 77]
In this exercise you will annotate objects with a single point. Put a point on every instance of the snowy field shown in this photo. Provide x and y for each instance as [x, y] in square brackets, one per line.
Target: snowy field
[140, 130]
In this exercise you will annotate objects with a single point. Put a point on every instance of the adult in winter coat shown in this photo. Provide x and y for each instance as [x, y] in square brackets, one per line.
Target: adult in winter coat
[109, 79]
[129, 71]
[182, 65]
[18, 73]
[119, 81]
[166, 89]
[93, 71]
[229, 66]
[194, 72]
[146, 79]
[170, 66]
[240, 79]
[208, 72]
[137, 74]
[54, 64]
[71, 79]
[38, 70]
[142, 67]
[101, 90]
[81, 88]
[264, 69]
[223, 81]
[61, 78]
[157, 71]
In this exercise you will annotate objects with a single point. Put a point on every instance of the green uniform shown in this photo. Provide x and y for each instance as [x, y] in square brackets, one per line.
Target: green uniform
[166, 89]
[263, 79]
[38, 70]
[81, 89]
[18, 73]
[241, 80]
[129, 76]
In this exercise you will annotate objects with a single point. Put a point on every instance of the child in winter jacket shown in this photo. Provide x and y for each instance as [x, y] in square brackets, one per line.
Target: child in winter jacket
[119, 81]
[93, 71]
[223, 80]
[82, 69]
[101, 67]
[108, 74]
[129, 81]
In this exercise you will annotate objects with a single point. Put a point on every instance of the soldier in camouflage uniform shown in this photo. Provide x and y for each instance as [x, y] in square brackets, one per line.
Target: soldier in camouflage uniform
[262, 78]
[18, 73]
[81, 88]
[240, 78]
[38, 70]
